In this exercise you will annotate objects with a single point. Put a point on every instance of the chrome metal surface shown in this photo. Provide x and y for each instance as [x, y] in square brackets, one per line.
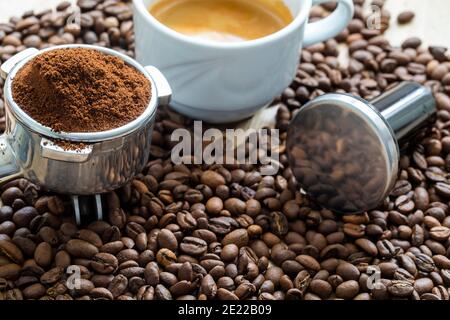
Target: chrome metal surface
[343, 153]
[164, 89]
[85, 207]
[406, 107]
[8, 65]
[108, 160]
[51, 150]
[344, 150]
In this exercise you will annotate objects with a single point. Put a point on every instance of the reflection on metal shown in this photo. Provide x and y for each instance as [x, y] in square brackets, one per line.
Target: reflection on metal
[344, 151]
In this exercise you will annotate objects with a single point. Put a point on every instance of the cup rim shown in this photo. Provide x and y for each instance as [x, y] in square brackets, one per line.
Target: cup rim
[88, 137]
[299, 19]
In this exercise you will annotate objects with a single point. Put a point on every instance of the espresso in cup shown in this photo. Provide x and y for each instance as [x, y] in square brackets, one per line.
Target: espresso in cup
[223, 20]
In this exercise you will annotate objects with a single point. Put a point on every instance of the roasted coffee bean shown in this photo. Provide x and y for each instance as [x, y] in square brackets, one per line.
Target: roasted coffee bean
[24, 216]
[239, 237]
[347, 290]
[424, 263]
[162, 293]
[320, 287]
[151, 274]
[104, 263]
[34, 291]
[193, 246]
[279, 223]
[43, 254]
[26, 245]
[405, 17]
[81, 249]
[387, 249]
[11, 194]
[10, 271]
[52, 276]
[400, 288]
[348, 271]
[224, 294]
[229, 252]
[118, 285]
[11, 251]
[165, 257]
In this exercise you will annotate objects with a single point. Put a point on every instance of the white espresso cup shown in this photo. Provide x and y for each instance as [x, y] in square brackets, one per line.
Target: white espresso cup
[224, 82]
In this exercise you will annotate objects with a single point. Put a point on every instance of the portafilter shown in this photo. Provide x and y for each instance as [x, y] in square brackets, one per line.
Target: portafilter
[107, 160]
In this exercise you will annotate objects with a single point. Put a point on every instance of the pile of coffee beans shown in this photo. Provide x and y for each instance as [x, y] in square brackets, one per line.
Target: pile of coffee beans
[227, 232]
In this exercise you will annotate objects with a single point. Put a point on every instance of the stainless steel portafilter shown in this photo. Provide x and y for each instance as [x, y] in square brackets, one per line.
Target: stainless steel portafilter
[344, 151]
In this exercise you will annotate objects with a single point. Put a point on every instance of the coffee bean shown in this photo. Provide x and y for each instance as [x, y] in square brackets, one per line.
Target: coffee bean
[166, 239]
[212, 179]
[320, 287]
[224, 294]
[424, 263]
[229, 252]
[386, 248]
[52, 276]
[413, 42]
[118, 285]
[43, 254]
[26, 245]
[81, 249]
[347, 271]
[279, 223]
[11, 251]
[400, 288]
[162, 293]
[405, 17]
[23, 217]
[347, 290]
[10, 271]
[308, 262]
[165, 257]
[438, 53]
[193, 246]
[440, 233]
[214, 205]
[239, 237]
[104, 263]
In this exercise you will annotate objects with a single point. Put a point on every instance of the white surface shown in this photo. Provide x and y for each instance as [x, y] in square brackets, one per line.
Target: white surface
[431, 22]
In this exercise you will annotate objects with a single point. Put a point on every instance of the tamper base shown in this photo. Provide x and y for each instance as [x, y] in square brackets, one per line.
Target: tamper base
[343, 153]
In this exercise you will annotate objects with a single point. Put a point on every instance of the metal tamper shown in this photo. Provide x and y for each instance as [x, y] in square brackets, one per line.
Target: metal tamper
[344, 151]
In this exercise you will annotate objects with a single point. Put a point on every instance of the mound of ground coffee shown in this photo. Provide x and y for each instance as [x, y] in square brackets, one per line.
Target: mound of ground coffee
[81, 90]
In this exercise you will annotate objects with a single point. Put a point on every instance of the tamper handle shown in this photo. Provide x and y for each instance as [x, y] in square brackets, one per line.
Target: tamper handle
[408, 108]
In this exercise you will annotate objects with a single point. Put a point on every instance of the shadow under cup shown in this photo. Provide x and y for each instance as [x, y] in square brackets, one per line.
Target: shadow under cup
[221, 82]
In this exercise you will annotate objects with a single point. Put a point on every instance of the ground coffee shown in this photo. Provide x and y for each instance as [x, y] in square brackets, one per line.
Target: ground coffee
[81, 90]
